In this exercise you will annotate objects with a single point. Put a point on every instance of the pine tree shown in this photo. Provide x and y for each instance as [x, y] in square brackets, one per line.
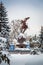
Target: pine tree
[41, 35]
[4, 27]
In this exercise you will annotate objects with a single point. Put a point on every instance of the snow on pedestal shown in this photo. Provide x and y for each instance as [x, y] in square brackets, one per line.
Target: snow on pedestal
[21, 38]
[15, 42]
[27, 43]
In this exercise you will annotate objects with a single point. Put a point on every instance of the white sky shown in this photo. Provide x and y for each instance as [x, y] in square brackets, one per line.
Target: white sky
[19, 9]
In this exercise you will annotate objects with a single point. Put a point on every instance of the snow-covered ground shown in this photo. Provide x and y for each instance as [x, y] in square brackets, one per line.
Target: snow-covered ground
[25, 59]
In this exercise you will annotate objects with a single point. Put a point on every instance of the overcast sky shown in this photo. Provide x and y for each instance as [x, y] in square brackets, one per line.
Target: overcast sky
[19, 9]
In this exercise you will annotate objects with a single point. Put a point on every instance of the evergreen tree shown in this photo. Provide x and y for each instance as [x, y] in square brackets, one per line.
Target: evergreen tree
[41, 35]
[4, 27]
[35, 37]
